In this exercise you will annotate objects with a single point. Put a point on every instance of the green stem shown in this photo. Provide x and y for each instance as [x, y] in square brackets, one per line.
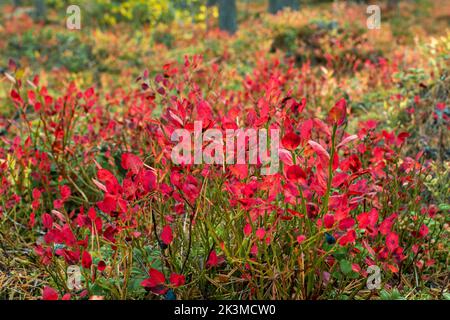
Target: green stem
[330, 171]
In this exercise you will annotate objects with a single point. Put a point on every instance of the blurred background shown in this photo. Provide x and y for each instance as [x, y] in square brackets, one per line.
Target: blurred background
[397, 74]
[118, 39]
[117, 35]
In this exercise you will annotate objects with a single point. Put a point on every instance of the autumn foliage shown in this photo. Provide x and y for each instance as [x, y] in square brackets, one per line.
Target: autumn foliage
[88, 180]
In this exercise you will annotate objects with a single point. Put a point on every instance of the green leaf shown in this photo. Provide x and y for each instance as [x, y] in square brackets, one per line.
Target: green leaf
[346, 266]
[337, 275]
[384, 295]
[340, 253]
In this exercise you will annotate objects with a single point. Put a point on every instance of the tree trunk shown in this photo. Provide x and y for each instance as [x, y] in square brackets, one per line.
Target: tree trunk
[211, 3]
[40, 10]
[293, 4]
[228, 16]
[392, 4]
[274, 6]
[278, 5]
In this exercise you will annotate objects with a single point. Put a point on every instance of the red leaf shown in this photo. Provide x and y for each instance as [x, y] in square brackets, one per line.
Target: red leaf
[423, 231]
[65, 192]
[321, 152]
[349, 237]
[338, 113]
[108, 205]
[166, 235]
[240, 171]
[260, 233]
[89, 92]
[157, 276]
[290, 141]
[148, 180]
[177, 279]
[67, 296]
[328, 220]
[132, 162]
[346, 223]
[156, 282]
[339, 179]
[100, 185]
[306, 128]
[356, 268]
[36, 81]
[393, 268]
[300, 239]
[92, 214]
[16, 97]
[47, 221]
[212, 260]
[110, 181]
[37, 106]
[363, 220]
[31, 97]
[347, 140]
[86, 260]
[32, 220]
[295, 173]
[12, 65]
[101, 266]
[247, 229]
[392, 241]
[49, 294]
